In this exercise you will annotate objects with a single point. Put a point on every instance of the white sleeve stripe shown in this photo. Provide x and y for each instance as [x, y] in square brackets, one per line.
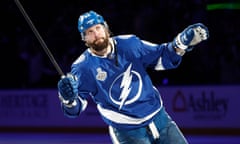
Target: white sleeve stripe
[159, 65]
[83, 102]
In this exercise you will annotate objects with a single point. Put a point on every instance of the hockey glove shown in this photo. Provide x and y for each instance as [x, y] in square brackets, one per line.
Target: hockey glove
[191, 36]
[68, 89]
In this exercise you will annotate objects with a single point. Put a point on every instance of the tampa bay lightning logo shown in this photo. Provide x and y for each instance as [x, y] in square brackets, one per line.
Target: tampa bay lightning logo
[126, 88]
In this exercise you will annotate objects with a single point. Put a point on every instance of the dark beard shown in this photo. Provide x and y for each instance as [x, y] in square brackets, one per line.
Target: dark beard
[99, 46]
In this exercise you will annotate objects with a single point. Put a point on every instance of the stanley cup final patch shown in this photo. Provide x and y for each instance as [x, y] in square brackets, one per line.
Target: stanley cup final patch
[101, 75]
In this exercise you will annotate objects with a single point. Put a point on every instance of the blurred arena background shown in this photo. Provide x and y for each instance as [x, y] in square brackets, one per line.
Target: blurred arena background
[202, 94]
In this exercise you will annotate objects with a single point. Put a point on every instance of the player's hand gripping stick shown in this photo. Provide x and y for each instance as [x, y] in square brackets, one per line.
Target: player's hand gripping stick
[68, 89]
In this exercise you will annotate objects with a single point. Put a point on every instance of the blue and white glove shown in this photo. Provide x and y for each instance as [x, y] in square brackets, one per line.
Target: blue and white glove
[191, 36]
[68, 90]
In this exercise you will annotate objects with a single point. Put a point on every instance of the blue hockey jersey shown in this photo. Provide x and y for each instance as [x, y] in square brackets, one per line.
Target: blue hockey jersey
[119, 84]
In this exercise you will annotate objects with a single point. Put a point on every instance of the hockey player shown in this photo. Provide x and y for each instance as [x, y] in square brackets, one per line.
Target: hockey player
[112, 71]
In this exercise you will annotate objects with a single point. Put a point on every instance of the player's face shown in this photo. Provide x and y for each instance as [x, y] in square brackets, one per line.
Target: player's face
[97, 37]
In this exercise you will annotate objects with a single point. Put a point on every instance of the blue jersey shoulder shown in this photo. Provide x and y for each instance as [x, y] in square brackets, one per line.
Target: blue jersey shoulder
[129, 39]
[80, 63]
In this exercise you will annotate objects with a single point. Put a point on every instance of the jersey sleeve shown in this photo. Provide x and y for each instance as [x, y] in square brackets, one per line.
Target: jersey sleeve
[158, 56]
[79, 70]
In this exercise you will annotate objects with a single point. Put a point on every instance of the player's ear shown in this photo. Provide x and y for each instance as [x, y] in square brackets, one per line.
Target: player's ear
[109, 33]
[86, 44]
[107, 30]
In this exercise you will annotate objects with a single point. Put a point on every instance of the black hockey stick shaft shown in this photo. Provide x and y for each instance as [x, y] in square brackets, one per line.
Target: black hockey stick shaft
[43, 44]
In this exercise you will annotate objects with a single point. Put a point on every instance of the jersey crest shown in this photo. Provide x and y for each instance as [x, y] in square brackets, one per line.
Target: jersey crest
[129, 86]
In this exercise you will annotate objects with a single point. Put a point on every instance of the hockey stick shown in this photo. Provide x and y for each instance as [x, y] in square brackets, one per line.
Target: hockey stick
[43, 44]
